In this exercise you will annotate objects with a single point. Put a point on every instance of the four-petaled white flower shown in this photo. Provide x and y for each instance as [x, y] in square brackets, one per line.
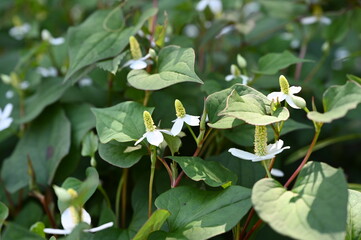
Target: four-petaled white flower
[19, 32]
[271, 151]
[154, 136]
[214, 5]
[313, 19]
[236, 73]
[46, 36]
[287, 93]
[47, 72]
[69, 220]
[5, 119]
[140, 63]
[182, 118]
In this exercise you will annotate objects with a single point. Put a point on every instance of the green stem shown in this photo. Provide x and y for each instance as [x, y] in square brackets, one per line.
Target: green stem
[124, 197]
[153, 159]
[146, 97]
[264, 164]
[117, 199]
[105, 195]
[194, 136]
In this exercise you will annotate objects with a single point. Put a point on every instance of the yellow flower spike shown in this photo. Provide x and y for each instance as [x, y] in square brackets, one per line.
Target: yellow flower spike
[180, 110]
[284, 85]
[135, 48]
[260, 141]
[148, 121]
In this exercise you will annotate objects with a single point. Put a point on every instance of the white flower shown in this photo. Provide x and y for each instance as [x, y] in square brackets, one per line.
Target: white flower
[191, 30]
[313, 19]
[47, 72]
[9, 94]
[276, 172]
[214, 5]
[154, 137]
[286, 93]
[140, 63]
[46, 36]
[236, 73]
[178, 123]
[272, 151]
[69, 222]
[19, 32]
[5, 119]
[225, 30]
[24, 85]
[85, 82]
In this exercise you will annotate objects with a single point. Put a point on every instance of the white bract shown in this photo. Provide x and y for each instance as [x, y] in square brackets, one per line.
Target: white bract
[236, 73]
[313, 19]
[47, 72]
[46, 36]
[287, 93]
[85, 82]
[214, 5]
[69, 220]
[19, 32]
[178, 123]
[140, 63]
[154, 137]
[276, 172]
[271, 151]
[5, 119]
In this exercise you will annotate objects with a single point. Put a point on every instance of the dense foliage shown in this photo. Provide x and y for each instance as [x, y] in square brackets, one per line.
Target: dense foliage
[180, 119]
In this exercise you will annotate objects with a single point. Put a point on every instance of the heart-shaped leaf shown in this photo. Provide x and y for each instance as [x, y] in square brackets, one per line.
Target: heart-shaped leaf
[316, 207]
[4, 213]
[252, 109]
[154, 223]
[217, 102]
[99, 37]
[353, 231]
[175, 65]
[198, 214]
[123, 155]
[273, 62]
[122, 122]
[52, 133]
[212, 173]
[337, 101]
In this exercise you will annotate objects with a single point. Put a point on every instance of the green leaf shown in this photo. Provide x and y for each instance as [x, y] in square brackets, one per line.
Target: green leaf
[173, 142]
[112, 65]
[217, 102]
[337, 30]
[123, 155]
[252, 109]
[175, 65]
[212, 173]
[337, 101]
[14, 231]
[198, 214]
[4, 213]
[316, 207]
[38, 228]
[46, 143]
[47, 92]
[154, 223]
[90, 145]
[100, 36]
[353, 231]
[84, 189]
[354, 78]
[122, 122]
[273, 62]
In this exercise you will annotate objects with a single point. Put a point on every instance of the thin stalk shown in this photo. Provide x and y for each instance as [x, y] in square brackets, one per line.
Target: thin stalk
[236, 231]
[169, 171]
[105, 195]
[153, 159]
[304, 161]
[316, 68]
[117, 199]
[124, 197]
[264, 164]
[146, 97]
[248, 220]
[191, 131]
[302, 56]
[258, 223]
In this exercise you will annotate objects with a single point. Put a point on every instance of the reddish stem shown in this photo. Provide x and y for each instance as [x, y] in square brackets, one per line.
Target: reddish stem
[258, 223]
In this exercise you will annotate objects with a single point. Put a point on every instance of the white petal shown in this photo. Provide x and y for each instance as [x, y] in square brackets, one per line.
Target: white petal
[290, 102]
[9, 94]
[46, 35]
[265, 157]
[57, 41]
[140, 139]
[215, 6]
[68, 218]
[242, 154]
[325, 20]
[101, 227]
[155, 137]
[191, 120]
[276, 172]
[177, 126]
[7, 110]
[229, 77]
[295, 89]
[201, 5]
[56, 231]
[138, 64]
[276, 147]
[5, 123]
[245, 79]
[165, 131]
[276, 95]
[309, 20]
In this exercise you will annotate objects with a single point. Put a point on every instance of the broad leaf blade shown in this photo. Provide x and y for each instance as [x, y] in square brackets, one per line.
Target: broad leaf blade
[198, 214]
[337, 101]
[122, 122]
[176, 65]
[314, 209]
[154, 223]
[212, 173]
[354, 216]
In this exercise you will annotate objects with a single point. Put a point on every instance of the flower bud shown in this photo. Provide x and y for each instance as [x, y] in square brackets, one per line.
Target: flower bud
[179, 109]
[284, 85]
[300, 102]
[135, 48]
[325, 47]
[152, 53]
[62, 194]
[242, 63]
[148, 121]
